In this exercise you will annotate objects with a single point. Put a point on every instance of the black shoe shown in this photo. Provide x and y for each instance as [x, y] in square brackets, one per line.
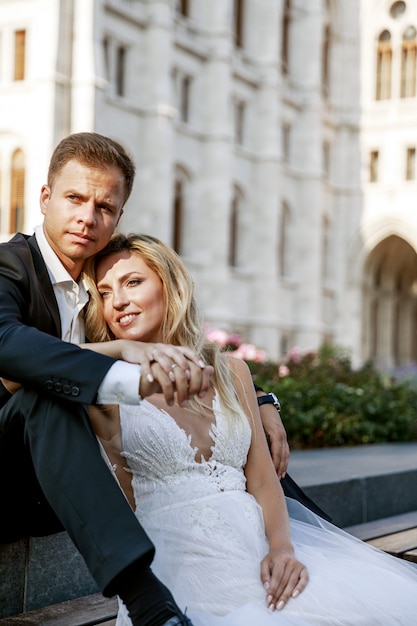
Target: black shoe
[179, 619]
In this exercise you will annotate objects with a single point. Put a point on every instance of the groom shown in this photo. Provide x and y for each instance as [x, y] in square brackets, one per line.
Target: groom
[52, 474]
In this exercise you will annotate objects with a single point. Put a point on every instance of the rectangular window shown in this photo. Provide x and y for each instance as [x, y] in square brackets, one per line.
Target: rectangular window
[120, 70]
[373, 166]
[383, 73]
[410, 170]
[106, 56]
[408, 71]
[326, 160]
[285, 37]
[181, 7]
[286, 143]
[19, 54]
[238, 22]
[240, 108]
[184, 104]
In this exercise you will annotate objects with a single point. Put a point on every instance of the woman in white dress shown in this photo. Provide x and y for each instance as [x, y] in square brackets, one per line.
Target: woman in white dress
[202, 483]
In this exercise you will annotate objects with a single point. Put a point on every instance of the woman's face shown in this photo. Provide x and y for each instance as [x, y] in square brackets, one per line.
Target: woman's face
[132, 296]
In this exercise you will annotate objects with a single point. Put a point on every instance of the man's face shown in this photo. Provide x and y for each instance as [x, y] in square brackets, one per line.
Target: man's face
[81, 212]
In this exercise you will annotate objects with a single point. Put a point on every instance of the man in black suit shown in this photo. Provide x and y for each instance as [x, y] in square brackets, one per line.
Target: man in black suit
[52, 474]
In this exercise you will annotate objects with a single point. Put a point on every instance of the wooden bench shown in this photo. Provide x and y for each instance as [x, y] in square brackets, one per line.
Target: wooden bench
[396, 535]
[85, 611]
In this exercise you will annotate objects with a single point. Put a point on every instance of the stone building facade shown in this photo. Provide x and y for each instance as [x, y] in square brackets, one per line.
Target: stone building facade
[253, 124]
[387, 252]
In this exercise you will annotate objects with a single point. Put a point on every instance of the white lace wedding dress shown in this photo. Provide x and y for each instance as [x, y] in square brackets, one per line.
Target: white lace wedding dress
[209, 537]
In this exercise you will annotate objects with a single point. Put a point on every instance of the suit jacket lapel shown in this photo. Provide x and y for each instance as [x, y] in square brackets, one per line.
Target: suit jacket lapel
[45, 285]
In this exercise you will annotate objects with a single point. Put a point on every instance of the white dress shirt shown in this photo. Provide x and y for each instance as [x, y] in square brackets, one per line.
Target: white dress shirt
[121, 383]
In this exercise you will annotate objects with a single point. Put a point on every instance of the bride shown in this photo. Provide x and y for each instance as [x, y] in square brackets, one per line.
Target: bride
[200, 478]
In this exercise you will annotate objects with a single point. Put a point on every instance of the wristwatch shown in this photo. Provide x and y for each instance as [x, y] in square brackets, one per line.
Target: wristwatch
[270, 398]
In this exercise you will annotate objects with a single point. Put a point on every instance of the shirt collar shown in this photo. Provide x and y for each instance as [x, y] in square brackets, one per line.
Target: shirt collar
[57, 272]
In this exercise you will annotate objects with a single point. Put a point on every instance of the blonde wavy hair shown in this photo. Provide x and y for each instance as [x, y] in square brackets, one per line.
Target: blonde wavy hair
[182, 325]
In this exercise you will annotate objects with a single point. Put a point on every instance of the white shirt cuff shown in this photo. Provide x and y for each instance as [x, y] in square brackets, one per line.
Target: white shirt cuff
[120, 385]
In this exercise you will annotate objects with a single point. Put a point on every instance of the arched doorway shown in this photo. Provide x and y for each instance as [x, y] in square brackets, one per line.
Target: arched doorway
[390, 304]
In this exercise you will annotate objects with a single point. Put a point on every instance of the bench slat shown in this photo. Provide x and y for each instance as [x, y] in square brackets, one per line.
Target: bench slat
[397, 543]
[85, 611]
[385, 526]
[410, 555]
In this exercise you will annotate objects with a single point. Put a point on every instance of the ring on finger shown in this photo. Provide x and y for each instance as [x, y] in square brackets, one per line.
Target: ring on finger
[174, 365]
[154, 351]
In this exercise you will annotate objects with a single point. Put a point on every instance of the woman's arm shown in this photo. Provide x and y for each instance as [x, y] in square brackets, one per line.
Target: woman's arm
[277, 435]
[105, 420]
[282, 574]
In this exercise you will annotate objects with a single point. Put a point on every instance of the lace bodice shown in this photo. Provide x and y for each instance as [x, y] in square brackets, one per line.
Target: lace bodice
[161, 457]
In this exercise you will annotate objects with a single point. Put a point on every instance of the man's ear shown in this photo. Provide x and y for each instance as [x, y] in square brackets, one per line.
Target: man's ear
[44, 198]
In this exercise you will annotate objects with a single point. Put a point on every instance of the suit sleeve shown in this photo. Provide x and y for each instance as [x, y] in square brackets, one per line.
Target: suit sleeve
[29, 353]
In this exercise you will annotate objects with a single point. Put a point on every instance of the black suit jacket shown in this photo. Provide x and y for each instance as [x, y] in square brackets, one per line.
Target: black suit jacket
[31, 351]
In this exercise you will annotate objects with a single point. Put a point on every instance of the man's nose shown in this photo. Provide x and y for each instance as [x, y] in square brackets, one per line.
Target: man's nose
[87, 213]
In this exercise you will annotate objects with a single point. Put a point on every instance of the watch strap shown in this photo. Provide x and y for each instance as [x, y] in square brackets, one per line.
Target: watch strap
[270, 398]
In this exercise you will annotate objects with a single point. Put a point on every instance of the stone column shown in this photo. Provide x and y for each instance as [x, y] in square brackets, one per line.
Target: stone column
[264, 47]
[345, 93]
[305, 68]
[83, 68]
[206, 235]
[154, 154]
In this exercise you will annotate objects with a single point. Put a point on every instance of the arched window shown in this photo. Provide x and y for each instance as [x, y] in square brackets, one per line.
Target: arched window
[17, 195]
[408, 63]
[285, 41]
[284, 238]
[383, 66]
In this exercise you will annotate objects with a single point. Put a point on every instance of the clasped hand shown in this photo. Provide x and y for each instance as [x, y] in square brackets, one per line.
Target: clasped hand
[177, 372]
[283, 577]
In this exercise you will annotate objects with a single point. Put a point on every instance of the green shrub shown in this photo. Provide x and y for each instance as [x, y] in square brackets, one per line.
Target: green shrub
[326, 403]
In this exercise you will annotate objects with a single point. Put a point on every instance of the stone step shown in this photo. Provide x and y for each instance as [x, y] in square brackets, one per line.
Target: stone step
[359, 484]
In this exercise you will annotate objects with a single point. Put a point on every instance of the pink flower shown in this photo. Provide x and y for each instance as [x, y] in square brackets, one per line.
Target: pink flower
[215, 335]
[234, 339]
[245, 351]
[283, 371]
[249, 352]
[294, 354]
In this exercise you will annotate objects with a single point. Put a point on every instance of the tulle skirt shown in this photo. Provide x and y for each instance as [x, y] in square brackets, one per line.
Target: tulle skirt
[208, 553]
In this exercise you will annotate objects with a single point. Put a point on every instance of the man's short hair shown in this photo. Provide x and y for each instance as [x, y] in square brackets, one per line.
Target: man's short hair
[93, 150]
